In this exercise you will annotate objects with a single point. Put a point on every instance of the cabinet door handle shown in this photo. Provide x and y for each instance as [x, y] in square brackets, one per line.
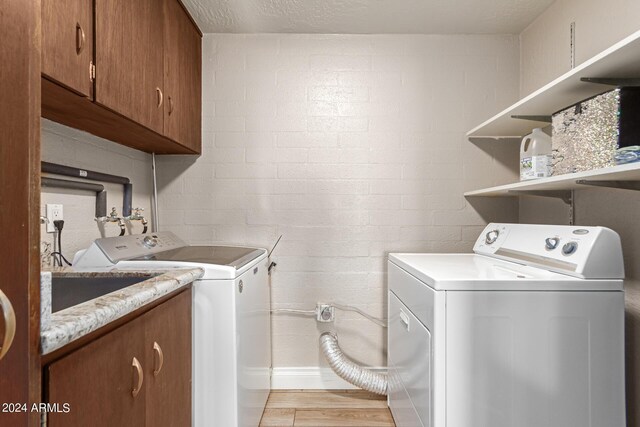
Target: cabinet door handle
[170, 105]
[80, 39]
[160, 358]
[160, 97]
[9, 317]
[138, 377]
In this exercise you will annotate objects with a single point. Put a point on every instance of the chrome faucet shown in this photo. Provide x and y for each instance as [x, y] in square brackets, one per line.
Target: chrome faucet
[137, 216]
[114, 217]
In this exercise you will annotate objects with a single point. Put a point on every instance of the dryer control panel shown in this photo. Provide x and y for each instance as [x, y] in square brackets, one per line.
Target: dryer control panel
[585, 252]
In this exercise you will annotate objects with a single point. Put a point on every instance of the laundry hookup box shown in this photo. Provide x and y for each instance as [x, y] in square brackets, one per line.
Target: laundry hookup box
[596, 133]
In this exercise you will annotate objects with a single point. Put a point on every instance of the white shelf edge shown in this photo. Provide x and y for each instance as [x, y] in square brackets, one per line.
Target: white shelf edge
[628, 172]
[569, 74]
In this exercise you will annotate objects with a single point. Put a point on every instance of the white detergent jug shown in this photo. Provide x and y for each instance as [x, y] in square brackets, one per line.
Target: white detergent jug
[535, 155]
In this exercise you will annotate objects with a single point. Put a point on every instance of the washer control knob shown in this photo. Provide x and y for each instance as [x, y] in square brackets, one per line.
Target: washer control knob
[149, 242]
[491, 237]
[551, 243]
[569, 248]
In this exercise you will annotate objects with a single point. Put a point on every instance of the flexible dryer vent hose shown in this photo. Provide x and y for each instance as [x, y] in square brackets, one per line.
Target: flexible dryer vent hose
[349, 370]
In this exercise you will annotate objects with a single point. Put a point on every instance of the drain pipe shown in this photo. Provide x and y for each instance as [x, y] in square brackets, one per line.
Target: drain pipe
[101, 194]
[57, 169]
[348, 370]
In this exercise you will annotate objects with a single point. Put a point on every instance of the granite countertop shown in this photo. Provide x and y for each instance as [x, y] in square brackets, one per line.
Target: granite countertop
[60, 328]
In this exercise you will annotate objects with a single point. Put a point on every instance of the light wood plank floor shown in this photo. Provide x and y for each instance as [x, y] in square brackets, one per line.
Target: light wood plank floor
[326, 408]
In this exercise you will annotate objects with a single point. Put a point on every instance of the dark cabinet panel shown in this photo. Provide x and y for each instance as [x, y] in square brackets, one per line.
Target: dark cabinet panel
[98, 380]
[136, 65]
[67, 43]
[129, 59]
[182, 77]
[168, 347]
[136, 375]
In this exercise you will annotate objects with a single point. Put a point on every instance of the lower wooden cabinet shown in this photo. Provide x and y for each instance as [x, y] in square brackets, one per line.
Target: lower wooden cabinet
[137, 375]
[168, 370]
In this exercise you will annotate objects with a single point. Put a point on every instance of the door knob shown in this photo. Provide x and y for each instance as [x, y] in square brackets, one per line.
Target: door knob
[9, 317]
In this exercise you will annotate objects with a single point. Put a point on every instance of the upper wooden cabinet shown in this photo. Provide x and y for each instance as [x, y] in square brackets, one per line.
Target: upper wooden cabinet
[182, 77]
[146, 88]
[67, 43]
[129, 59]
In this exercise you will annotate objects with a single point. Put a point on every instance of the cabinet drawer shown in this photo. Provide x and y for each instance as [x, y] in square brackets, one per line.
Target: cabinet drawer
[411, 356]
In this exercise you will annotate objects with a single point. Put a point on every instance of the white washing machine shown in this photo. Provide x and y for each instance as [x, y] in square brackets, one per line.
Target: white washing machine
[231, 319]
[526, 332]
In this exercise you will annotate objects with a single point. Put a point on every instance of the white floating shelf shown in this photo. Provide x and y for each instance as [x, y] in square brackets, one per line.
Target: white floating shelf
[621, 60]
[629, 172]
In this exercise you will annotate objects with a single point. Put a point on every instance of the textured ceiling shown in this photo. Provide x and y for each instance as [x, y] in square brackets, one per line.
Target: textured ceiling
[365, 16]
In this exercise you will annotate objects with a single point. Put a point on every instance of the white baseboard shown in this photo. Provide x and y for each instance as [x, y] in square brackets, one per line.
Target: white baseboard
[310, 378]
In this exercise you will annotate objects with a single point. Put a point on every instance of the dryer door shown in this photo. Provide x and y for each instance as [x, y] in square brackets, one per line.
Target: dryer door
[410, 364]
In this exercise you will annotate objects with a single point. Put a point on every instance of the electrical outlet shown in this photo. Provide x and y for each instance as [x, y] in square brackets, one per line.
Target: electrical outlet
[325, 313]
[54, 213]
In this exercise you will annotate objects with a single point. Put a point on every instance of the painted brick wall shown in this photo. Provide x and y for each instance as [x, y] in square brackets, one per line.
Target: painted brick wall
[351, 147]
[71, 147]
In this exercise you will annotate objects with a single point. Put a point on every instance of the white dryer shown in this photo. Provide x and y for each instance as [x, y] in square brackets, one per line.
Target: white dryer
[231, 319]
[526, 332]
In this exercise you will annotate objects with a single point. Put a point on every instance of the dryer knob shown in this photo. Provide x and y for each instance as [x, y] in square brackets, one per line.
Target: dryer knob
[551, 243]
[569, 248]
[491, 237]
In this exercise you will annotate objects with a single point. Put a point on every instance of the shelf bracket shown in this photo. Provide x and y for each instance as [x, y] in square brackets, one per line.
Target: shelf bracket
[546, 119]
[565, 195]
[622, 185]
[612, 81]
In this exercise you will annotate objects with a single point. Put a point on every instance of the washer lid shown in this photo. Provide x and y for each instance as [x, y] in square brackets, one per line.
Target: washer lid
[479, 272]
[232, 256]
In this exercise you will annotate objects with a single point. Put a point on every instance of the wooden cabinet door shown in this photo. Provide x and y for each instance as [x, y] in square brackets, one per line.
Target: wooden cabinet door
[97, 381]
[129, 59]
[168, 348]
[67, 43]
[182, 77]
[20, 198]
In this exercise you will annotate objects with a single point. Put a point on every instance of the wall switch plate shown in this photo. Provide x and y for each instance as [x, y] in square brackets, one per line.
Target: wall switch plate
[54, 213]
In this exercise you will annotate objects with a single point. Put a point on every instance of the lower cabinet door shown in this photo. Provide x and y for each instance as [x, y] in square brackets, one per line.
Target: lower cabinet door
[102, 383]
[168, 348]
